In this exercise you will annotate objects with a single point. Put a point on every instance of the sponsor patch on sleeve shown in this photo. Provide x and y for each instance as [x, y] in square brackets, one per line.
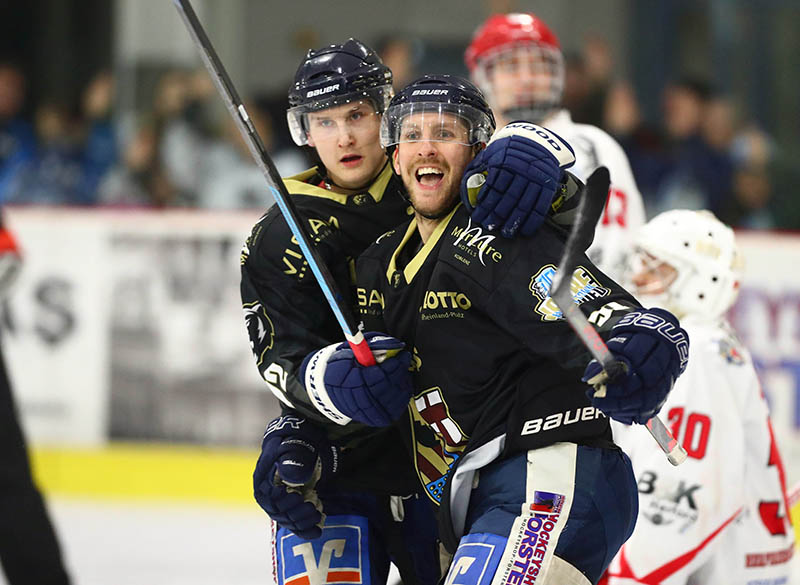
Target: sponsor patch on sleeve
[584, 286]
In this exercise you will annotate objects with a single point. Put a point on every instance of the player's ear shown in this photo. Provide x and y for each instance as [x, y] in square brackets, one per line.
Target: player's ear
[310, 140]
[395, 164]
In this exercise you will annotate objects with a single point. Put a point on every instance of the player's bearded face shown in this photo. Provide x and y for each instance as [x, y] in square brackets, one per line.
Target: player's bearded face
[431, 158]
[347, 139]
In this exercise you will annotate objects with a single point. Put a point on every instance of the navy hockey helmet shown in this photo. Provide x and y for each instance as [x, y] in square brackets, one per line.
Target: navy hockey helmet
[333, 76]
[430, 96]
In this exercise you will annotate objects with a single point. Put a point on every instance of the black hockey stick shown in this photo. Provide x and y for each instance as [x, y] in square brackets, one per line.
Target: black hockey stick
[590, 207]
[350, 327]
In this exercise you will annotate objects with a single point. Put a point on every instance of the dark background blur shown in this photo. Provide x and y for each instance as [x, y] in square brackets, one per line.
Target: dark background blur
[638, 68]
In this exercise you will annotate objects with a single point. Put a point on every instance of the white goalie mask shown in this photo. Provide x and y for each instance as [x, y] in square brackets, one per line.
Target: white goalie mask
[697, 258]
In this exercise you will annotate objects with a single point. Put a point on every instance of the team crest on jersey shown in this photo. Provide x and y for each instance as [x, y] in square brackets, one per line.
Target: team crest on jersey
[438, 439]
[340, 555]
[730, 352]
[259, 328]
[584, 287]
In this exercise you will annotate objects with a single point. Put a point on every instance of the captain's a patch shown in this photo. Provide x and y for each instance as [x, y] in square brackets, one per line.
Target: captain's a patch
[584, 287]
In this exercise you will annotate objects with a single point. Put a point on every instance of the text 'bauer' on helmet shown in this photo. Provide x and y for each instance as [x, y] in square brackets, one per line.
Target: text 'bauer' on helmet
[336, 75]
[431, 96]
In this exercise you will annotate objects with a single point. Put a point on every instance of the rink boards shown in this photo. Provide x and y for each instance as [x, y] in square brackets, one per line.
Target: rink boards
[126, 329]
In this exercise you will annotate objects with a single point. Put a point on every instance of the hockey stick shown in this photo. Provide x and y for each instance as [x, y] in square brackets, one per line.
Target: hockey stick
[352, 329]
[589, 209]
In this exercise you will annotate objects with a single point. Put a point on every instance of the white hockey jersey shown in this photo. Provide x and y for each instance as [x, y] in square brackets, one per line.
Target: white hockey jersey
[722, 516]
[624, 213]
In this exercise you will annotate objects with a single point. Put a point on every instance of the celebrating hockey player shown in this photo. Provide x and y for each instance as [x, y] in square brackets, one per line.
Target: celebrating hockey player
[367, 488]
[722, 516]
[323, 455]
[517, 61]
[518, 459]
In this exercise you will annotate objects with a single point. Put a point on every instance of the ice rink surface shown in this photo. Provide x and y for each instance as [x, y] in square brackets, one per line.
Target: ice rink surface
[124, 543]
[169, 544]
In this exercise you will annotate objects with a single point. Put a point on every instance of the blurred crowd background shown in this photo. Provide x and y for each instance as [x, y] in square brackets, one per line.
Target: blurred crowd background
[104, 103]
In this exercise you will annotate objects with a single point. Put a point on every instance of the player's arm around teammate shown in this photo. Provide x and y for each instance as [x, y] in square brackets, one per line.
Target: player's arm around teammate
[507, 442]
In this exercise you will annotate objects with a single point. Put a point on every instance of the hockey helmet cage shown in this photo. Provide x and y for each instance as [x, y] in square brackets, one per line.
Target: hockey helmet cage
[333, 76]
[431, 96]
[510, 41]
[703, 252]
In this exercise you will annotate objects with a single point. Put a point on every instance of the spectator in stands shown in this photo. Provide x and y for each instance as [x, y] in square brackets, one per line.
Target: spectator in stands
[700, 171]
[55, 175]
[750, 205]
[17, 139]
[100, 152]
[234, 179]
[401, 55]
[139, 180]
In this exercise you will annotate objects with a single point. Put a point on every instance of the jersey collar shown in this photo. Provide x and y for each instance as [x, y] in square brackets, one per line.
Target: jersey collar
[411, 269]
[298, 185]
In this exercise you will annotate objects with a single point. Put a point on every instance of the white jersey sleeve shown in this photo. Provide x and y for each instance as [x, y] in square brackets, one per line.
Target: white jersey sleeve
[721, 516]
[624, 213]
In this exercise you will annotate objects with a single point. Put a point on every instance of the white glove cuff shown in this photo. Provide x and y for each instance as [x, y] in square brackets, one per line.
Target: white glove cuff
[542, 136]
[315, 386]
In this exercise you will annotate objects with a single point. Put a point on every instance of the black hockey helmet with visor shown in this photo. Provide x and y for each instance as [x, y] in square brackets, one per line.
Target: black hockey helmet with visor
[425, 101]
[336, 75]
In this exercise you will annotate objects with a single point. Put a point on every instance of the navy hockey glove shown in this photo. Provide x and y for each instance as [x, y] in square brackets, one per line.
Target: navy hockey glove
[344, 390]
[295, 459]
[654, 350]
[512, 182]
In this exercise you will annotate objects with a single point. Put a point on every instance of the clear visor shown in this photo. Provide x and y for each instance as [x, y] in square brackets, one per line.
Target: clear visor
[377, 98]
[434, 122]
[523, 81]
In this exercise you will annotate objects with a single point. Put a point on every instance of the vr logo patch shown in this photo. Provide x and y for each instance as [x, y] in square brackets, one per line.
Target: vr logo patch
[476, 559]
[338, 556]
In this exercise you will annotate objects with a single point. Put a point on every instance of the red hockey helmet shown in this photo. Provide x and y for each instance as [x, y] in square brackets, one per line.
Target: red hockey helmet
[516, 60]
[502, 30]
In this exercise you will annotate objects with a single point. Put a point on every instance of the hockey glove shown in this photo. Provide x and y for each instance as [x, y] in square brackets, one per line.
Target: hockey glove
[653, 349]
[511, 184]
[295, 459]
[344, 390]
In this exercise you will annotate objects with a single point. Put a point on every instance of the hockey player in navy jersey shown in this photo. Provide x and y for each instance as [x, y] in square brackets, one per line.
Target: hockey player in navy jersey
[510, 448]
[337, 454]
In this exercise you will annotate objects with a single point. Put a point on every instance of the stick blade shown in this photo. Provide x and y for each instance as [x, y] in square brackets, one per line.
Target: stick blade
[592, 202]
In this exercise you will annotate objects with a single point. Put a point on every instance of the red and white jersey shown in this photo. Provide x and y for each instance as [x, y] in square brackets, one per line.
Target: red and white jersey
[722, 516]
[624, 212]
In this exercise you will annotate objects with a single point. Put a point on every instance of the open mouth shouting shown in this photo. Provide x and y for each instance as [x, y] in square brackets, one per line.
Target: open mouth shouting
[351, 160]
[429, 177]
